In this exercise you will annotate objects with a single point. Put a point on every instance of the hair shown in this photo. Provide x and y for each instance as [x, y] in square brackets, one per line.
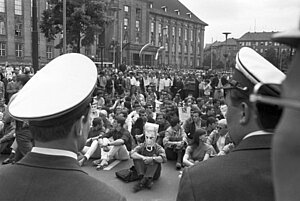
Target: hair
[23, 78]
[57, 131]
[174, 121]
[120, 120]
[197, 134]
[161, 114]
[97, 121]
[268, 115]
[210, 121]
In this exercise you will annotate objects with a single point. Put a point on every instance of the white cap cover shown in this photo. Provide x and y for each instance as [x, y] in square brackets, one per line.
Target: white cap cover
[256, 68]
[56, 89]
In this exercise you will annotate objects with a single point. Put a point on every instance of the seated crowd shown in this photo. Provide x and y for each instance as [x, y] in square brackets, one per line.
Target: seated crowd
[139, 116]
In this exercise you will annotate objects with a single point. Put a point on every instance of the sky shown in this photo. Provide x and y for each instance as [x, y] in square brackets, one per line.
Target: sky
[241, 16]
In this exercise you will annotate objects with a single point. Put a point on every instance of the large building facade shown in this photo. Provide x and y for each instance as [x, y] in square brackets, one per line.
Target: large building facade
[171, 34]
[165, 25]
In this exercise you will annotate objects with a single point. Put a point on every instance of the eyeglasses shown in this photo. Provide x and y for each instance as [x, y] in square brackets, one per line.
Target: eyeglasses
[233, 84]
[257, 96]
[266, 99]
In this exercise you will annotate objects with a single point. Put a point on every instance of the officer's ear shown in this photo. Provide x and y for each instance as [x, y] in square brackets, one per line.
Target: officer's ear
[244, 113]
[77, 127]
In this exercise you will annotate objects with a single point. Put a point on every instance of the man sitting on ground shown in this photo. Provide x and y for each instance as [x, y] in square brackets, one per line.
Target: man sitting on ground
[117, 142]
[147, 158]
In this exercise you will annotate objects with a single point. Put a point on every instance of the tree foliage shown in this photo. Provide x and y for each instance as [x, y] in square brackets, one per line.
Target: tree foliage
[85, 19]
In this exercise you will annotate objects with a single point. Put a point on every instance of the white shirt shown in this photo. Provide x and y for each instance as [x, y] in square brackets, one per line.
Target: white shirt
[54, 152]
[256, 133]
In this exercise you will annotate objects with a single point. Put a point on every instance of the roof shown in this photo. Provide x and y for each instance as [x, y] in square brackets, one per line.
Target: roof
[257, 36]
[172, 6]
[230, 42]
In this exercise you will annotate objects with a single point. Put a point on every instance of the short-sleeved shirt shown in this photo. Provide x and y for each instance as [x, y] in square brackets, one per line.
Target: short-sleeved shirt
[122, 134]
[197, 153]
[156, 151]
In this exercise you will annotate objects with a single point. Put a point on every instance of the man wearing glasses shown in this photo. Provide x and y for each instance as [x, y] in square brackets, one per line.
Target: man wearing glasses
[244, 173]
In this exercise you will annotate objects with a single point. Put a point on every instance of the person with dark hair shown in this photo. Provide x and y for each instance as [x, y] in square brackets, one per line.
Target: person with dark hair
[116, 148]
[211, 123]
[24, 136]
[245, 173]
[199, 150]
[60, 129]
[192, 124]
[175, 142]
[92, 148]
[163, 126]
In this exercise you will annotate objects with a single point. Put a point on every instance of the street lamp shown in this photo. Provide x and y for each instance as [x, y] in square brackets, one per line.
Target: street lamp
[226, 54]
[115, 10]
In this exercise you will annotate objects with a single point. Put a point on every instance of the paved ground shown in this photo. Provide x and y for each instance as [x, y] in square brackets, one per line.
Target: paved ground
[164, 189]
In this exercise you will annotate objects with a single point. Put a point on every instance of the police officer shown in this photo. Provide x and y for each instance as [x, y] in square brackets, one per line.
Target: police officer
[56, 105]
[244, 173]
[286, 140]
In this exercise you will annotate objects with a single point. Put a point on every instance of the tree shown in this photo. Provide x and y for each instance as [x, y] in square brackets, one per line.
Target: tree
[85, 19]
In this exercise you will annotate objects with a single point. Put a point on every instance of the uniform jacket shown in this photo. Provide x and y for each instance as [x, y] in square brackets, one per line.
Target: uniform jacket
[43, 177]
[244, 174]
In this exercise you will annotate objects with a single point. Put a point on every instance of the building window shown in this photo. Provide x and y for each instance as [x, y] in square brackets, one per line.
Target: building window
[18, 7]
[19, 50]
[152, 27]
[173, 48]
[179, 48]
[49, 52]
[2, 28]
[167, 47]
[185, 48]
[192, 35]
[150, 5]
[159, 29]
[138, 12]
[266, 43]
[167, 31]
[2, 6]
[125, 23]
[137, 25]
[2, 49]
[152, 33]
[173, 31]
[126, 9]
[18, 30]
[199, 36]
[185, 34]
[256, 43]
[179, 32]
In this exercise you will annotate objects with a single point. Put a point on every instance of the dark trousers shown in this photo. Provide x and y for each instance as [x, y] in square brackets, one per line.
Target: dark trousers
[174, 154]
[150, 170]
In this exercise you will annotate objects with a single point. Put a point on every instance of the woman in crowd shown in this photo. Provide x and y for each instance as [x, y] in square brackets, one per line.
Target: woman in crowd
[199, 150]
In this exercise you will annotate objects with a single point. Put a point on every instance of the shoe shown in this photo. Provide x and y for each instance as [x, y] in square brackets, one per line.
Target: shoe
[10, 159]
[140, 185]
[149, 183]
[102, 165]
[82, 161]
[178, 166]
[97, 162]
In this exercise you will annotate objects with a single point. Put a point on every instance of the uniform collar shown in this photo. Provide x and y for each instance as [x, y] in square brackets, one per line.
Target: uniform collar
[256, 133]
[54, 152]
